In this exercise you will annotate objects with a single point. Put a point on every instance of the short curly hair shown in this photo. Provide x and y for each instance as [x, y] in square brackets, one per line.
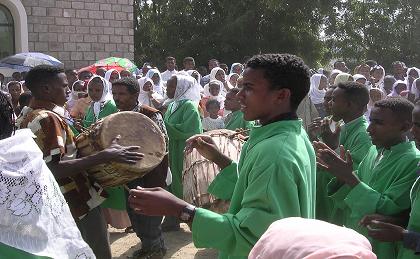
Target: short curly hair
[130, 83]
[284, 71]
[400, 107]
[41, 75]
[355, 92]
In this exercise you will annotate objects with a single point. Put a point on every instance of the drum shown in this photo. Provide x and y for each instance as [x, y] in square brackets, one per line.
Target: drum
[135, 129]
[199, 172]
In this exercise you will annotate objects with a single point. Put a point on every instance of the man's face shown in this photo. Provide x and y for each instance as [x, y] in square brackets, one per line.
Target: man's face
[189, 65]
[365, 70]
[339, 104]
[399, 70]
[341, 66]
[57, 89]
[232, 102]
[384, 127]
[124, 100]
[415, 130]
[258, 101]
[170, 64]
[212, 64]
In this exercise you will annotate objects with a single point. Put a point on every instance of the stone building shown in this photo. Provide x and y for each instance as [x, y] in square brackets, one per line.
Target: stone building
[77, 32]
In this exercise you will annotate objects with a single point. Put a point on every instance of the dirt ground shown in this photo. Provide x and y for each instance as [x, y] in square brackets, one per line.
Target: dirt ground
[179, 245]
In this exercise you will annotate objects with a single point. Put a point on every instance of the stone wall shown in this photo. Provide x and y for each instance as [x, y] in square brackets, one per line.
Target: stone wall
[80, 32]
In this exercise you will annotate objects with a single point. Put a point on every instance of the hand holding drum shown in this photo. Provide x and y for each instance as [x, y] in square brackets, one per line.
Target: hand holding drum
[205, 146]
[120, 154]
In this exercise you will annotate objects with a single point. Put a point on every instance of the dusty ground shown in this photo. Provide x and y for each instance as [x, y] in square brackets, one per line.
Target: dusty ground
[179, 245]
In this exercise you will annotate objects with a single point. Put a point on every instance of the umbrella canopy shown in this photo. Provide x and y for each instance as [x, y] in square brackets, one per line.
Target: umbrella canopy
[112, 63]
[27, 60]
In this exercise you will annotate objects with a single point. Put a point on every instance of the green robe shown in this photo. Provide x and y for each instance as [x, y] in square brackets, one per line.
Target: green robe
[414, 222]
[116, 195]
[180, 124]
[14, 253]
[384, 189]
[275, 179]
[236, 121]
[355, 138]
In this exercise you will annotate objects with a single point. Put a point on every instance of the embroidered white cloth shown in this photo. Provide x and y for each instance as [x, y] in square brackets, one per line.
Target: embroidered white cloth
[34, 214]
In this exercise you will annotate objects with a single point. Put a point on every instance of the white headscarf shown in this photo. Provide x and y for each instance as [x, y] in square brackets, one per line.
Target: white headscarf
[109, 73]
[214, 71]
[233, 66]
[14, 82]
[358, 76]
[106, 95]
[220, 98]
[408, 77]
[380, 83]
[187, 88]
[144, 95]
[190, 72]
[414, 89]
[316, 95]
[159, 88]
[74, 96]
[394, 91]
[229, 76]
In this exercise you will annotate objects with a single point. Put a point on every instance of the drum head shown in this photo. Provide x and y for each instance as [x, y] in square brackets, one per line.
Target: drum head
[135, 129]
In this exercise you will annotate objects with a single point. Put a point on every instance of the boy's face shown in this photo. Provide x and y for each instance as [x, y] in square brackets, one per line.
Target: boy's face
[339, 104]
[258, 101]
[170, 64]
[385, 127]
[214, 89]
[415, 130]
[56, 90]
[189, 65]
[327, 101]
[213, 110]
[231, 102]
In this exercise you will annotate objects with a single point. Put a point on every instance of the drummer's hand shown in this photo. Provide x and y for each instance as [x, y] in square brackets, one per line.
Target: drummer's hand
[208, 149]
[155, 202]
[121, 154]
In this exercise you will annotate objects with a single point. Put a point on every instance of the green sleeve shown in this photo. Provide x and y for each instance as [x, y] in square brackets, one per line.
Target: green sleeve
[223, 185]
[189, 126]
[359, 150]
[337, 191]
[363, 199]
[271, 194]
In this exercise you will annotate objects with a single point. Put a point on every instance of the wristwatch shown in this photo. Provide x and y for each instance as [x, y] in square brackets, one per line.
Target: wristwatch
[187, 213]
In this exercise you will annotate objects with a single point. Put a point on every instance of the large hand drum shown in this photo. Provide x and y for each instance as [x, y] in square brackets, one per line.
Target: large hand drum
[199, 172]
[135, 129]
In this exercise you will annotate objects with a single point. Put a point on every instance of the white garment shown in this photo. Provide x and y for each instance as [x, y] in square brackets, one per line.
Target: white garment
[159, 87]
[34, 214]
[190, 72]
[213, 124]
[168, 74]
[394, 91]
[106, 95]
[380, 83]
[144, 97]
[316, 95]
[187, 88]
[109, 73]
[233, 66]
[220, 97]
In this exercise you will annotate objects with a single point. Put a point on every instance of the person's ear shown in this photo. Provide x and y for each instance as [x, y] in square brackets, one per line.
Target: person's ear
[282, 95]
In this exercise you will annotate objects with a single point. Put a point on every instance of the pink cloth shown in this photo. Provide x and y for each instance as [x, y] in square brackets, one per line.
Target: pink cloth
[293, 238]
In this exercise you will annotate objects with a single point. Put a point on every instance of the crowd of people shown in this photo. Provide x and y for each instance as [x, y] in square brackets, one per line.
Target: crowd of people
[320, 144]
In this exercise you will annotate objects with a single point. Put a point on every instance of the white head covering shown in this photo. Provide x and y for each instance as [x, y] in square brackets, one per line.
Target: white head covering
[187, 88]
[414, 89]
[214, 71]
[106, 95]
[159, 87]
[109, 73]
[14, 82]
[229, 76]
[74, 96]
[413, 68]
[380, 83]
[358, 76]
[341, 78]
[190, 72]
[233, 66]
[394, 91]
[144, 95]
[316, 95]
[220, 98]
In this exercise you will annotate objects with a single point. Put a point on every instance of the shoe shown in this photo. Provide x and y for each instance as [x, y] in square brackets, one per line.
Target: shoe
[148, 254]
[170, 224]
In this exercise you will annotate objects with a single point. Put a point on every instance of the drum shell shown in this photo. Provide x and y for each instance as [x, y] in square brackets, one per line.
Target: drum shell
[135, 129]
[199, 172]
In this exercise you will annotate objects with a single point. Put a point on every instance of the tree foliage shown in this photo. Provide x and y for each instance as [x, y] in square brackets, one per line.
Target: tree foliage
[316, 30]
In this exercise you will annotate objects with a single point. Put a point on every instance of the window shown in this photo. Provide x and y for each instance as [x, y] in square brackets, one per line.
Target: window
[7, 32]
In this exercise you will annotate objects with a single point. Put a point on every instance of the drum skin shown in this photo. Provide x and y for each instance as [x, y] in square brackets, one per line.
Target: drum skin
[199, 172]
[135, 129]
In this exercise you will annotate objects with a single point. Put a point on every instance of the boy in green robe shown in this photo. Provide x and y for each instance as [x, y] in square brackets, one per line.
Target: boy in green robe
[348, 103]
[275, 176]
[389, 229]
[383, 179]
[235, 119]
